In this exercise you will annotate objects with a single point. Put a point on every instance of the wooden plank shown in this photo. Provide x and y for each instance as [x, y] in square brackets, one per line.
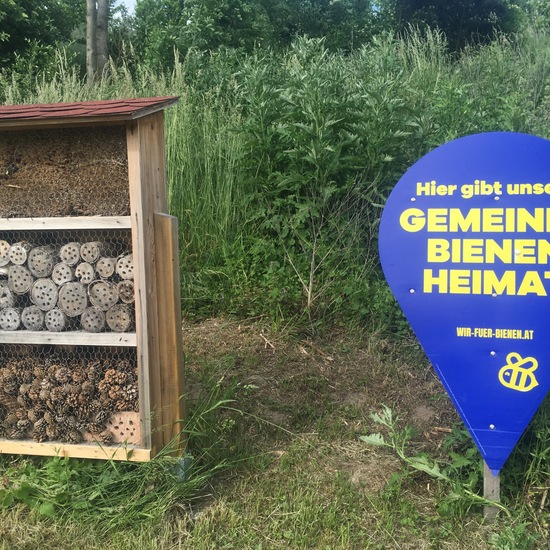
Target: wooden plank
[81, 222]
[74, 338]
[83, 450]
[147, 181]
[169, 319]
[491, 491]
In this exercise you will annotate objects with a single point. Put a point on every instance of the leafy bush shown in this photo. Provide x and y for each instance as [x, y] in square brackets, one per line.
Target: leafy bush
[279, 164]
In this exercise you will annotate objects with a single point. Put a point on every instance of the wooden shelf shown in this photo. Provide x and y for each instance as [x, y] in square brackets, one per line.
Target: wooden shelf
[73, 338]
[81, 450]
[72, 223]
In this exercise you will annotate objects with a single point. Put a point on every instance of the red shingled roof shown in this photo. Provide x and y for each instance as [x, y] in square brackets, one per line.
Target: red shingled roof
[110, 110]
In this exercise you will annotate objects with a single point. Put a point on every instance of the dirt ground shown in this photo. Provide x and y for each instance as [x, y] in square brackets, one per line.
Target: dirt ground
[328, 387]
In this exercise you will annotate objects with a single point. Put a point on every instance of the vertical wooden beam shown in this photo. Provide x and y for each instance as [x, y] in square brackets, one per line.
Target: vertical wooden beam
[147, 185]
[169, 319]
[491, 491]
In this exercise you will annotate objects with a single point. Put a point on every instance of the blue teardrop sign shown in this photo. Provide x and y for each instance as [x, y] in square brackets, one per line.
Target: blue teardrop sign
[465, 247]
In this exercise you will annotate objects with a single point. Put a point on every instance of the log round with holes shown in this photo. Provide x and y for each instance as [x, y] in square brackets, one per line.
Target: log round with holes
[19, 279]
[105, 267]
[44, 293]
[55, 320]
[85, 273]
[19, 252]
[126, 291]
[73, 299]
[62, 273]
[92, 319]
[7, 299]
[91, 252]
[41, 261]
[120, 317]
[103, 294]
[125, 267]
[32, 318]
[4, 251]
[10, 318]
[70, 253]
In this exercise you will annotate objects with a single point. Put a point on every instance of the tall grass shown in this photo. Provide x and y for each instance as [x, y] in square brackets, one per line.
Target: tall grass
[278, 164]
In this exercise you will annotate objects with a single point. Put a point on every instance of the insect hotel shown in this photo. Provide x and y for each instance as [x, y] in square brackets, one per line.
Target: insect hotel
[90, 319]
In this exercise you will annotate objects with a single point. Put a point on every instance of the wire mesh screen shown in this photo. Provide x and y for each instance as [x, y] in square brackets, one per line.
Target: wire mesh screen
[67, 280]
[69, 394]
[64, 172]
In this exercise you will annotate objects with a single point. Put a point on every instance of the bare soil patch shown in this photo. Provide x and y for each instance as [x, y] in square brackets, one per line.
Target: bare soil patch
[326, 388]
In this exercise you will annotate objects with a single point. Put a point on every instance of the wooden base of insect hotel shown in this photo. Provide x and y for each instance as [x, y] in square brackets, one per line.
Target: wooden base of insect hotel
[90, 322]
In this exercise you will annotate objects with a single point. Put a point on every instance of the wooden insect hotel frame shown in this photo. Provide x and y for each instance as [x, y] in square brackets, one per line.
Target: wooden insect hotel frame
[90, 322]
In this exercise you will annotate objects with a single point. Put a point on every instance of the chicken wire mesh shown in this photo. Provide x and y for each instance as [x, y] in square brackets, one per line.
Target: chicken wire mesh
[69, 394]
[78, 279]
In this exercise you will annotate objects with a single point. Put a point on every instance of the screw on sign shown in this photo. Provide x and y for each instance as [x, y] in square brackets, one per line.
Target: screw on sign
[464, 247]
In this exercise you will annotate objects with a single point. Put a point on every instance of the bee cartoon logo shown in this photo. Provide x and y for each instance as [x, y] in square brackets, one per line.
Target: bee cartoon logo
[517, 374]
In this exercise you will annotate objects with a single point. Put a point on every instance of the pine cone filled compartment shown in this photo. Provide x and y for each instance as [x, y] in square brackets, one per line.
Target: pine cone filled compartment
[69, 395]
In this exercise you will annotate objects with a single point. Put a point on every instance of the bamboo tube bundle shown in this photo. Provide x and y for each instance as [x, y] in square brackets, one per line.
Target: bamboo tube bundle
[7, 299]
[126, 291]
[91, 252]
[105, 267]
[32, 318]
[19, 279]
[70, 253]
[19, 252]
[103, 294]
[120, 317]
[73, 299]
[55, 320]
[4, 252]
[41, 261]
[62, 273]
[125, 267]
[92, 319]
[10, 318]
[85, 273]
[44, 294]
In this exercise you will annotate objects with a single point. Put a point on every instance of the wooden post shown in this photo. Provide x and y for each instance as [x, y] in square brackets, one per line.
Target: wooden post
[169, 320]
[491, 491]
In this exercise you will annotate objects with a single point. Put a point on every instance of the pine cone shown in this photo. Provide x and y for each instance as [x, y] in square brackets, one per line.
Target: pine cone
[33, 415]
[62, 375]
[95, 427]
[106, 437]
[24, 425]
[72, 436]
[79, 375]
[16, 434]
[39, 372]
[87, 387]
[11, 420]
[52, 431]
[101, 416]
